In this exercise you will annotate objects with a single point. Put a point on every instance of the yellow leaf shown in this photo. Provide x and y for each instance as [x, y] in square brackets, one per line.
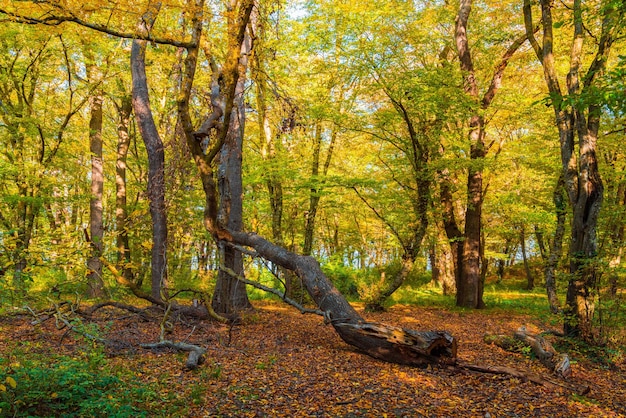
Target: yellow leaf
[11, 382]
[54, 395]
[3, 388]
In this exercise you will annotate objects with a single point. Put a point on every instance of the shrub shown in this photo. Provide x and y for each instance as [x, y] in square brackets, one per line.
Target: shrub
[70, 388]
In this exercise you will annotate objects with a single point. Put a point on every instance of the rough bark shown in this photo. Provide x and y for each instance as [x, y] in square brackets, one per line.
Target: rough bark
[156, 157]
[441, 262]
[556, 249]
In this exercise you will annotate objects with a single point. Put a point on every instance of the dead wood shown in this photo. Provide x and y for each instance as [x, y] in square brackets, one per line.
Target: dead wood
[381, 341]
[579, 389]
[130, 308]
[558, 363]
[196, 353]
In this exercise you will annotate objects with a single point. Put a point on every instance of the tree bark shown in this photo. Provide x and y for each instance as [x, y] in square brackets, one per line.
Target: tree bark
[445, 263]
[156, 157]
[121, 213]
[556, 250]
[530, 278]
[469, 285]
[94, 277]
[230, 296]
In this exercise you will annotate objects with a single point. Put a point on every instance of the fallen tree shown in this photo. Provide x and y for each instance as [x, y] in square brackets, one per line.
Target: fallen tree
[381, 341]
[557, 363]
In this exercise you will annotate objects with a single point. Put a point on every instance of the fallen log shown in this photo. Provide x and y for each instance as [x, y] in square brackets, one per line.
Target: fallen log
[558, 363]
[380, 341]
[196, 353]
[579, 389]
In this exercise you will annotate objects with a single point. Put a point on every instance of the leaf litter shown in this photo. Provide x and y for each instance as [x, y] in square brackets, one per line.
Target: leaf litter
[280, 363]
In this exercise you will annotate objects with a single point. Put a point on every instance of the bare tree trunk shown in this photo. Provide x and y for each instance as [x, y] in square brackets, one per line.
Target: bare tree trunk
[530, 279]
[445, 264]
[156, 157]
[453, 233]
[556, 250]
[541, 243]
[94, 277]
[121, 212]
[388, 343]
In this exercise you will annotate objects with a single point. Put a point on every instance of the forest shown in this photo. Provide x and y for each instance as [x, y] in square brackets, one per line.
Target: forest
[312, 208]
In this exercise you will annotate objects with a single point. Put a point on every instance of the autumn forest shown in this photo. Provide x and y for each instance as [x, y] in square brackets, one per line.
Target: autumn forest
[439, 187]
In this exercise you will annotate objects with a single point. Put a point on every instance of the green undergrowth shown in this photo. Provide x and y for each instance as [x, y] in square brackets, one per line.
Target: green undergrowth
[57, 385]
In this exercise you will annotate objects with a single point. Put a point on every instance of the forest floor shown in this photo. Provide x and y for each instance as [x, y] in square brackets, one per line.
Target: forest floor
[280, 363]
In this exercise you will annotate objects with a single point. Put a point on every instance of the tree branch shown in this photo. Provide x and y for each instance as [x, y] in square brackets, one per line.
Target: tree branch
[55, 20]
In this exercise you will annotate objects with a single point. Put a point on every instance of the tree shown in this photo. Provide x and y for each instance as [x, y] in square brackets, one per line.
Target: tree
[577, 116]
[470, 285]
[96, 226]
[124, 110]
[156, 156]
[33, 131]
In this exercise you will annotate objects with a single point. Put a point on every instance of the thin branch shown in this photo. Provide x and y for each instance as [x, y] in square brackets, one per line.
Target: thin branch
[276, 292]
[381, 217]
[54, 20]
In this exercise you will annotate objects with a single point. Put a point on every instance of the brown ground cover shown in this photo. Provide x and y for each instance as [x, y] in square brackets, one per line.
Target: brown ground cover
[280, 363]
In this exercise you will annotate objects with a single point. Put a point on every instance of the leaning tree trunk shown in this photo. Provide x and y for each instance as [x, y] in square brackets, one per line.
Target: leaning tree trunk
[156, 157]
[388, 343]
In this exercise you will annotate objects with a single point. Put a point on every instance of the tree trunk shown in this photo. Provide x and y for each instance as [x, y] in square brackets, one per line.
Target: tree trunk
[121, 213]
[94, 277]
[470, 285]
[530, 279]
[453, 233]
[556, 250]
[445, 264]
[156, 157]
[230, 295]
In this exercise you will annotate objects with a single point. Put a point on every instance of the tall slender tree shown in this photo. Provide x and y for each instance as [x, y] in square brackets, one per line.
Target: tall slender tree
[156, 155]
